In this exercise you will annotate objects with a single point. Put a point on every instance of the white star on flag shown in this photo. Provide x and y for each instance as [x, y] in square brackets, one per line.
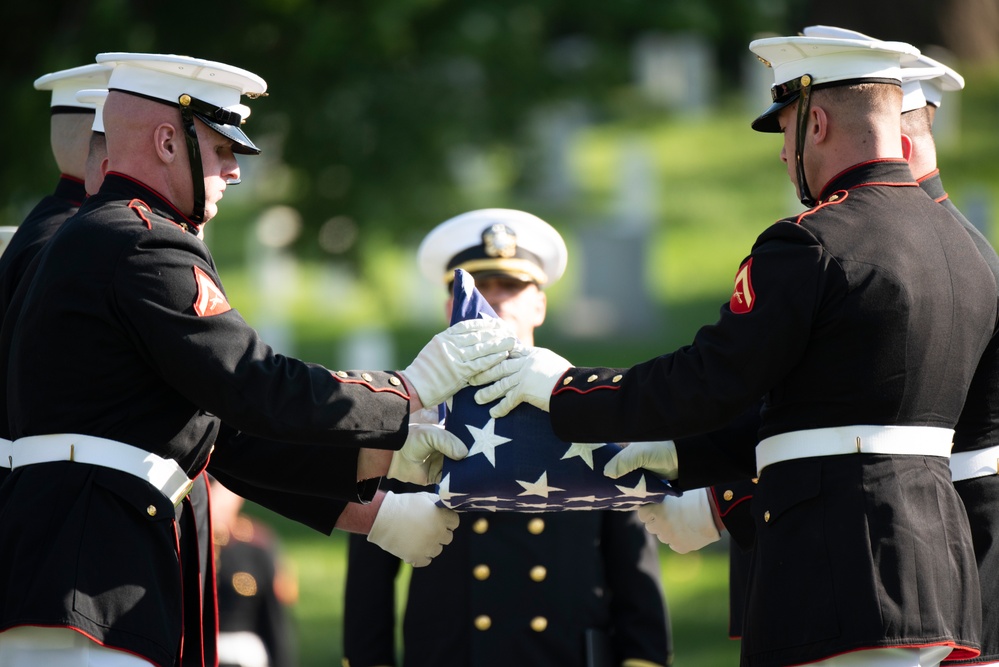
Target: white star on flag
[538, 488]
[485, 441]
[638, 491]
[444, 489]
[583, 450]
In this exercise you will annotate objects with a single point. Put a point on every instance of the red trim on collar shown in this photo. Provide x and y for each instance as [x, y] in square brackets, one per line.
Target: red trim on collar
[154, 191]
[927, 176]
[895, 160]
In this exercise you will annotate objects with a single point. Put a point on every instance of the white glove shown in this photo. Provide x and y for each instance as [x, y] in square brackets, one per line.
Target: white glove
[528, 376]
[444, 364]
[411, 527]
[421, 459]
[686, 523]
[656, 457]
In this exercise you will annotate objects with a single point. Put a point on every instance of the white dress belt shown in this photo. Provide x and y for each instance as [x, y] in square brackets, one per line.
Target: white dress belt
[165, 474]
[977, 463]
[856, 439]
[6, 452]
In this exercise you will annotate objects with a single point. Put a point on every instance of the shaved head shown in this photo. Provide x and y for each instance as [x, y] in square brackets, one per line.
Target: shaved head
[70, 136]
[145, 140]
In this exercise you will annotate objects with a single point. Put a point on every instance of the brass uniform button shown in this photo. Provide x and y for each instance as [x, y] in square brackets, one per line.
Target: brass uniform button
[728, 495]
[483, 622]
[539, 623]
[341, 374]
[536, 526]
[538, 573]
[481, 572]
[151, 510]
[366, 377]
[395, 381]
[591, 378]
[756, 480]
[567, 380]
[616, 378]
[766, 516]
[480, 526]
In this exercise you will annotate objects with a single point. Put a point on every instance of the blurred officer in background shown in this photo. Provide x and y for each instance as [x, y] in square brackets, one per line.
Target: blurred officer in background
[562, 589]
[255, 588]
[158, 359]
[70, 136]
[862, 320]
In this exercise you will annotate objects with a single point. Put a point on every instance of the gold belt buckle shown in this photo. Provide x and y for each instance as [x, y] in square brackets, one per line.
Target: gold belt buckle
[183, 492]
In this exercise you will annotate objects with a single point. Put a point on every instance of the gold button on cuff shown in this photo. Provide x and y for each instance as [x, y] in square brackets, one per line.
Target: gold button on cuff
[480, 526]
[536, 526]
[151, 510]
[539, 623]
[538, 573]
[481, 572]
[766, 515]
[756, 480]
[366, 377]
[567, 380]
[728, 495]
[483, 622]
[395, 381]
[616, 378]
[591, 378]
[341, 374]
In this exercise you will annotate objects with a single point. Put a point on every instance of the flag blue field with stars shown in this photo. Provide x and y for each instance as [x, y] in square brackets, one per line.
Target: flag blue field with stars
[517, 464]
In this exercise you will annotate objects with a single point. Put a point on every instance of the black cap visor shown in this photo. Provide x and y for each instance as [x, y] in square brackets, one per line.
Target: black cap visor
[242, 144]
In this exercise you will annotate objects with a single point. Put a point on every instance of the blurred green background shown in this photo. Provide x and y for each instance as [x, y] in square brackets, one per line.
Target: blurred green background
[625, 124]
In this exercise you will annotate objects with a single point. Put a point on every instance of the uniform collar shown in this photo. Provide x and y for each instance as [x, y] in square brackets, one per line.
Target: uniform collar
[70, 189]
[121, 186]
[887, 171]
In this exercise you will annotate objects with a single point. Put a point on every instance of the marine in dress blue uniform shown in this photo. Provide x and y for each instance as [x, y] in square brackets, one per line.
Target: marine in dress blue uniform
[543, 590]
[157, 364]
[70, 135]
[862, 320]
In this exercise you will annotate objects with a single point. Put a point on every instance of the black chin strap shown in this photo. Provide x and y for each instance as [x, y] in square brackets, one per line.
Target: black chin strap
[194, 153]
[804, 106]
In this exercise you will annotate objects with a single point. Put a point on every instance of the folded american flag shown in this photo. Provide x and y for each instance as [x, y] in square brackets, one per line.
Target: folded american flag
[517, 464]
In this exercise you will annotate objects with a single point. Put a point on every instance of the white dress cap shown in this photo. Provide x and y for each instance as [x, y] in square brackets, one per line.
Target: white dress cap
[495, 241]
[64, 84]
[930, 76]
[826, 61]
[167, 77]
[94, 97]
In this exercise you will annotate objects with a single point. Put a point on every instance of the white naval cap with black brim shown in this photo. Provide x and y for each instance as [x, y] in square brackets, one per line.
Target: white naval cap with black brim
[803, 64]
[924, 80]
[494, 242]
[203, 89]
[64, 85]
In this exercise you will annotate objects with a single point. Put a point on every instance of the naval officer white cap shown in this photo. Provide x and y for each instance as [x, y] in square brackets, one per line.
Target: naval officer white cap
[494, 241]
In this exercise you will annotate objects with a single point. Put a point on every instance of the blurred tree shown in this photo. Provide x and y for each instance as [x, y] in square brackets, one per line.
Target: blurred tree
[370, 103]
[968, 28]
